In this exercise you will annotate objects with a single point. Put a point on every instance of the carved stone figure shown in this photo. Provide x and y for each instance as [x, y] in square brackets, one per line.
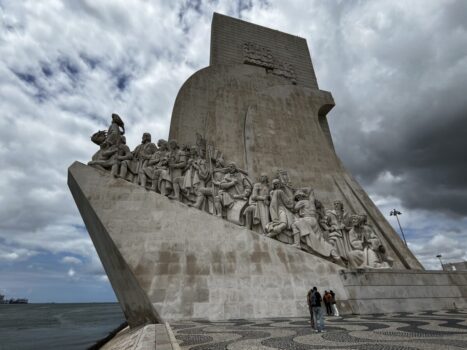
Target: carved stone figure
[104, 158]
[99, 137]
[374, 250]
[150, 168]
[257, 212]
[196, 173]
[286, 184]
[141, 154]
[306, 227]
[339, 222]
[282, 218]
[324, 221]
[122, 155]
[356, 240]
[116, 130]
[164, 181]
[211, 192]
[177, 163]
[235, 188]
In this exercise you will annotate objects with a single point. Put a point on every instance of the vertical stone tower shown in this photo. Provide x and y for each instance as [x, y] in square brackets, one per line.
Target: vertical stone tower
[260, 103]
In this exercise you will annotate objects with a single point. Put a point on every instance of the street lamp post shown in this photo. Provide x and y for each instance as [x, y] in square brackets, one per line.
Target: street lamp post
[439, 256]
[396, 213]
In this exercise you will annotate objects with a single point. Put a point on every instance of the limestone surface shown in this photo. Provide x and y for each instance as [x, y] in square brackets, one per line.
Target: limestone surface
[259, 103]
[167, 261]
[190, 264]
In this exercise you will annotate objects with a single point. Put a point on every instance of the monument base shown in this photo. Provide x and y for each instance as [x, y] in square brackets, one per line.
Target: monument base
[385, 291]
[167, 261]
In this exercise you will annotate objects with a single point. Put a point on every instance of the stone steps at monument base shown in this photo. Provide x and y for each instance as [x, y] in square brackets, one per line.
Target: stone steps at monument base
[370, 291]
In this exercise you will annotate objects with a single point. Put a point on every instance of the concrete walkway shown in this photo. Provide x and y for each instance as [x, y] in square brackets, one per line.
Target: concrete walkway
[422, 330]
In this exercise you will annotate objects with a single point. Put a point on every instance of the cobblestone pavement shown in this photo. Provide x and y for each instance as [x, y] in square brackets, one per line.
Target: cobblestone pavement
[401, 331]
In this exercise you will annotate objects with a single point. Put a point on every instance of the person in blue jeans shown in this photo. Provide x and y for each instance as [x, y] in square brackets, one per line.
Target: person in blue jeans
[308, 300]
[318, 317]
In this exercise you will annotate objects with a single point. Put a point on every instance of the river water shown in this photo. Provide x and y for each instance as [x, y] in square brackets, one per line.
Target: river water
[57, 326]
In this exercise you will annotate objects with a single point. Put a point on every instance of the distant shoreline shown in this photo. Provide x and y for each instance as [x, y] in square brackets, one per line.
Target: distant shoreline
[68, 303]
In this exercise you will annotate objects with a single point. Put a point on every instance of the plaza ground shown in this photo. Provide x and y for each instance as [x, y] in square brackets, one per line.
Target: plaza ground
[421, 330]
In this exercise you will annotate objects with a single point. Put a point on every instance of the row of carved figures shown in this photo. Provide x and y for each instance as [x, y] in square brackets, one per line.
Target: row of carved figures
[198, 176]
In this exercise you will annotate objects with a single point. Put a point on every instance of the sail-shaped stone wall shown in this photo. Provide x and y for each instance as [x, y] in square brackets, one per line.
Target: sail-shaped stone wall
[260, 104]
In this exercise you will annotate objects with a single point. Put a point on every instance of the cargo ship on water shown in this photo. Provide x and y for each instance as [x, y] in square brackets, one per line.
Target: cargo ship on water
[12, 300]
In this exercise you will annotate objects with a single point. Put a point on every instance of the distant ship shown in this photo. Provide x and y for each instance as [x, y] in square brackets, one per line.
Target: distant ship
[13, 301]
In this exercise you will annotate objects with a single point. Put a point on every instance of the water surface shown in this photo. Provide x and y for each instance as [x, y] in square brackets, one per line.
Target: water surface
[56, 326]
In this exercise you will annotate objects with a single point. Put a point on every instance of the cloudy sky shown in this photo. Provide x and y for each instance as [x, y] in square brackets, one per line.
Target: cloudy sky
[397, 71]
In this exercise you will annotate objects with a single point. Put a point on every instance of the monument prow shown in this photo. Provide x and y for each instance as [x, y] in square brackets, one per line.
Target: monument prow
[187, 263]
[133, 299]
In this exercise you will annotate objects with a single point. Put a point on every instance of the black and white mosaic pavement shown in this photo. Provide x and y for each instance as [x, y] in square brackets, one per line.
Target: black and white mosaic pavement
[398, 331]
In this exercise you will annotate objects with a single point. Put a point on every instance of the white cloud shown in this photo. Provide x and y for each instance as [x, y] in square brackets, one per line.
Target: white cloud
[103, 278]
[71, 272]
[11, 254]
[428, 234]
[71, 260]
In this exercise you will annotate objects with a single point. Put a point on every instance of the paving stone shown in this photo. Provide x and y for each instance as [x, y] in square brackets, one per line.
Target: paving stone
[396, 331]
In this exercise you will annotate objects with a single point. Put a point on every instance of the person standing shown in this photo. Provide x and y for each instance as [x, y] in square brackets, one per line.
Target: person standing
[308, 300]
[316, 300]
[333, 304]
[327, 302]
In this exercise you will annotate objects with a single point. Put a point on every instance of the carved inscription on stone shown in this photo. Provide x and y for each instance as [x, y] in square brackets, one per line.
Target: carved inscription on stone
[259, 55]
[198, 176]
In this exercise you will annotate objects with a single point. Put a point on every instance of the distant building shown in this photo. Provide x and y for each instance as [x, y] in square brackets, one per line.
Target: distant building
[457, 266]
[13, 301]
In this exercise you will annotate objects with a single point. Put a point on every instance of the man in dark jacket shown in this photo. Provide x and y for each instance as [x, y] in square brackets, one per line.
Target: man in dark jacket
[308, 300]
[316, 300]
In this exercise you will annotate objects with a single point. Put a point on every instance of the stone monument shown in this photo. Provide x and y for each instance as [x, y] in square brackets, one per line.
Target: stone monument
[247, 205]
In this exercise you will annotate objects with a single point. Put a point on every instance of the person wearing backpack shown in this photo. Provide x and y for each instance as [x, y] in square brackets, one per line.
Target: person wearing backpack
[317, 311]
